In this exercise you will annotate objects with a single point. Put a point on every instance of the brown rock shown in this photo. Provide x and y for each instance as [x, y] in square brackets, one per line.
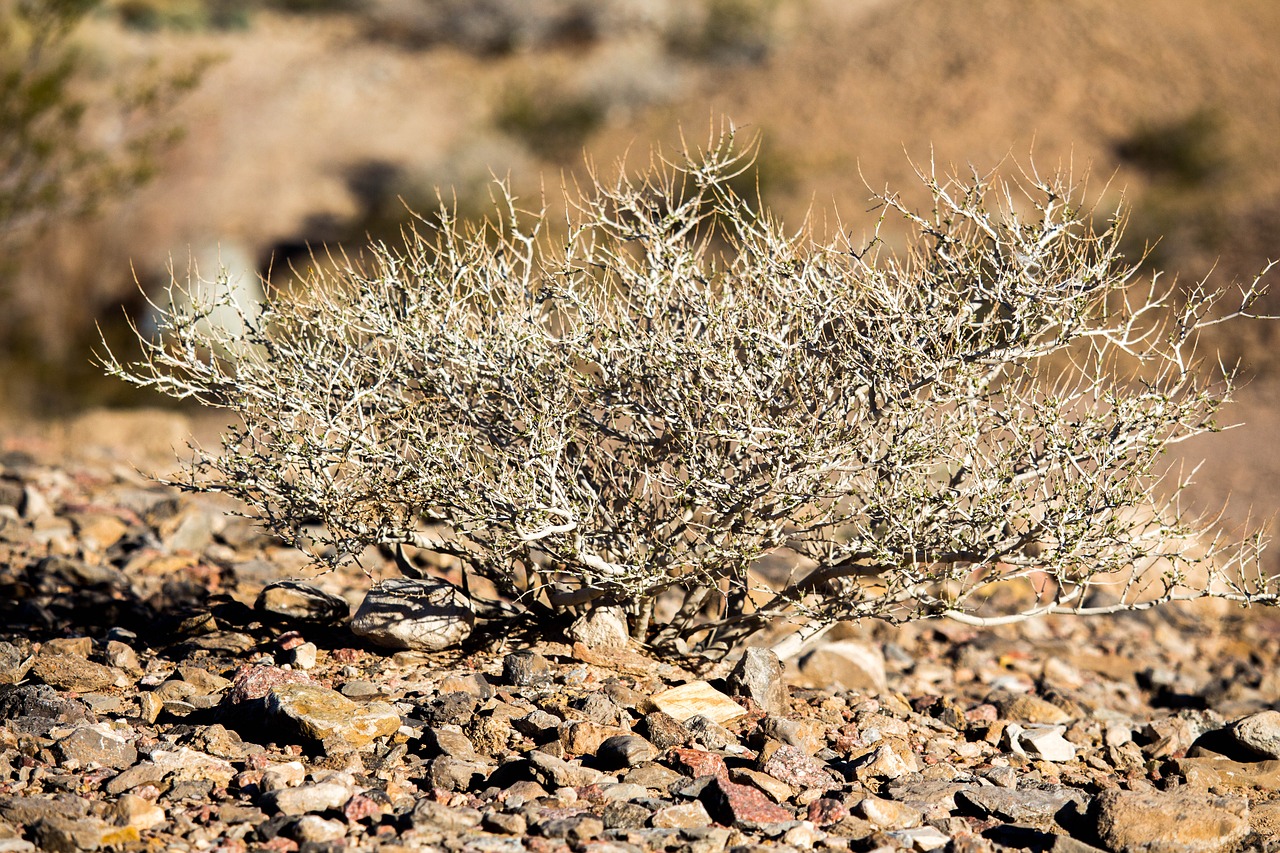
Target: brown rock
[75, 674]
[697, 762]
[1171, 821]
[697, 698]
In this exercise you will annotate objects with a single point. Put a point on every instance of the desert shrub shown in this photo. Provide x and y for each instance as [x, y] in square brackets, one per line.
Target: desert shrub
[972, 427]
[549, 121]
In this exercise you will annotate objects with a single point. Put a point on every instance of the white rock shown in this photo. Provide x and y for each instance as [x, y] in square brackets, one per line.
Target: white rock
[697, 698]
[1048, 743]
[601, 628]
[408, 613]
[922, 838]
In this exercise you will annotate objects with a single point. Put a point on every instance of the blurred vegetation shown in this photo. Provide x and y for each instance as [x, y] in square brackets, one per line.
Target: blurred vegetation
[54, 167]
[730, 31]
[550, 122]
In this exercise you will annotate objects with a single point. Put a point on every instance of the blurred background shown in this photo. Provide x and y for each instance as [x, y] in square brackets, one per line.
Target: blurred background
[144, 137]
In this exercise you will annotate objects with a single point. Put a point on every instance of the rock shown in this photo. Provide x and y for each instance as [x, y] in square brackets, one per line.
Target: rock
[1177, 821]
[654, 777]
[625, 751]
[921, 838]
[576, 829]
[525, 669]
[698, 762]
[777, 789]
[36, 708]
[254, 682]
[1046, 742]
[187, 764]
[123, 657]
[330, 718]
[710, 735]
[142, 773]
[681, 816]
[320, 797]
[560, 773]
[582, 737]
[1223, 772]
[204, 681]
[61, 835]
[299, 601]
[850, 664]
[732, 804]
[1033, 806]
[406, 613]
[317, 830]
[601, 628]
[808, 735]
[882, 763]
[449, 741]
[138, 812]
[428, 814]
[888, 814]
[97, 744]
[1260, 733]
[1025, 708]
[472, 684]
[454, 774]
[302, 656]
[663, 730]
[792, 765]
[15, 661]
[758, 676]
[74, 674]
[621, 815]
[697, 698]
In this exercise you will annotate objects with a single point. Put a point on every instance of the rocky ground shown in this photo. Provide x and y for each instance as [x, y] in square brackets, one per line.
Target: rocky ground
[160, 689]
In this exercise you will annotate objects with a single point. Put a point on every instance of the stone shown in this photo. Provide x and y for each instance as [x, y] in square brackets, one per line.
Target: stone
[601, 628]
[582, 737]
[254, 682]
[623, 815]
[888, 814]
[423, 614]
[708, 734]
[299, 601]
[204, 681]
[454, 774]
[123, 657]
[921, 838]
[697, 762]
[15, 661]
[74, 674]
[1225, 773]
[758, 676]
[429, 814]
[576, 829]
[330, 718]
[663, 730]
[1032, 806]
[187, 764]
[808, 735]
[515, 824]
[142, 773]
[304, 799]
[625, 751]
[850, 664]
[1178, 821]
[560, 773]
[317, 830]
[526, 669]
[697, 698]
[884, 762]
[653, 777]
[1046, 742]
[1025, 708]
[473, 684]
[302, 656]
[731, 804]
[1260, 733]
[777, 789]
[138, 812]
[62, 835]
[97, 744]
[538, 725]
[792, 765]
[449, 741]
[682, 816]
[36, 708]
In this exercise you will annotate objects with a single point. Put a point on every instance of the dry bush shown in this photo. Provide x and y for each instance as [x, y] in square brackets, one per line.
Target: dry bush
[673, 386]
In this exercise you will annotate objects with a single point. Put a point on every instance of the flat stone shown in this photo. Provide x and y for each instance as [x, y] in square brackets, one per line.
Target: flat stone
[1177, 821]
[299, 601]
[888, 814]
[317, 830]
[1025, 708]
[697, 698]
[424, 614]
[305, 799]
[1047, 743]
[850, 664]
[430, 814]
[663, 730]
[808, 735]
[625, 750]
[15, 661]
[97, 744]
[1037, 807]
[697, 762]
[187, 764]
[560, 773]
[922, 838]
[75, 674]
[778, 790]
[682, 816]
[793, 766]
[1259, 732]
[758, 676]
[601, 628]
[327, 716]
[254, 682]
[1223, 772]
[142, 773]
[884, 762]
[449, 741]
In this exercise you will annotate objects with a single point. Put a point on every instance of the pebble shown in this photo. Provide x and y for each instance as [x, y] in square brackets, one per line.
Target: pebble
[97, 745]
[424, 614]
[625, 750]
[304, 799]
[299, 601]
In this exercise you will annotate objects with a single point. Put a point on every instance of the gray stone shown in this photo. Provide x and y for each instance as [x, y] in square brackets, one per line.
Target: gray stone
[74, 674]
[792, 765]
[305, 799]
[317, 830]
[300, 601]
[601, 628]
[525, 669]
[1037, 807]
[449, 741]
[758, 676]
[15, 660]
[1180, 821]
[97, 744]
[405, 613]
[709, 733]
[560, 773]
[682, 816]
[142, 773]
[625, 751]
[454, 774]
[663, 730]
[1260, 733]
[428, 814]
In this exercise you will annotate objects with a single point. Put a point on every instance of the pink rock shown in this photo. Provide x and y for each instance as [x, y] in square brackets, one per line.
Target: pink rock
[254, 681]
[697, 762]
[793, 766]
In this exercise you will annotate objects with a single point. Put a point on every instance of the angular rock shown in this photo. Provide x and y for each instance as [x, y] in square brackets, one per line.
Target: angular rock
[888, 814]
[449, 741]
[317, 830]
[327, 716]
[625, 751]
[138, 812]
[1046, 742]
[698, 762]
[663, 730]
[187, 764]
[1177, 821]
[424, 614]
[36, 708]
[305, 799]
[758, 676]
[432, 815]
[601, 628]
[850, 664]
[808, 735]
[74, 674]
[300, 601]
[525, 669]
[681, 816]
[1032, 806]
[793, 766]
[15, 661]
[255, 681]
[560, 773]
[97, 744]
[697, 698]
[884, 763]
[732, 804]
[1025, 708]
[1260, 733]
